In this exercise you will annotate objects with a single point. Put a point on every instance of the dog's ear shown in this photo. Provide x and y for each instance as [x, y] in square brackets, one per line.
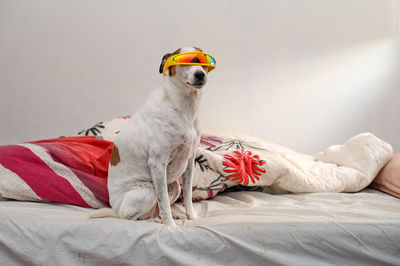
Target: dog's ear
[165, 58]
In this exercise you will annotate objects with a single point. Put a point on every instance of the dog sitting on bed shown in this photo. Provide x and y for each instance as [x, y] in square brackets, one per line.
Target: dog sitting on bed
[158, 145]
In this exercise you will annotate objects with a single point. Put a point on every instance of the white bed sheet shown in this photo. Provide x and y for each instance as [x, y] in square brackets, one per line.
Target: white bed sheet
[237, 228]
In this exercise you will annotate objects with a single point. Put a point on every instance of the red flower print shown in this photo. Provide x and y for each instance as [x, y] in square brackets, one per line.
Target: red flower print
[243, 165]
[207, 140]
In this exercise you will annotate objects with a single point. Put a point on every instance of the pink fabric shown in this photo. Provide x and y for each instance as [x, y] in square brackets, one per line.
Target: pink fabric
[388, 179]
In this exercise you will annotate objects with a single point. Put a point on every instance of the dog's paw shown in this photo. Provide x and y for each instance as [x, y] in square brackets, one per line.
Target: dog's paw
[173, 225]
[179, 216]
[192, 216]
[157, 220]
[161, 221]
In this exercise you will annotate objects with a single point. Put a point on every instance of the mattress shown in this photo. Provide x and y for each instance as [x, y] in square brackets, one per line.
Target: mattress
[235, 228]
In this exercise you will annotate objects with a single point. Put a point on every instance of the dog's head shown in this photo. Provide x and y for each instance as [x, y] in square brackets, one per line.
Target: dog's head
[192, 76]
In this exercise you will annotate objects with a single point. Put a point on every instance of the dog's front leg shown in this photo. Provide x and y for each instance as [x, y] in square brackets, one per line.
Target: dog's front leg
[187, 179]
[158, 172]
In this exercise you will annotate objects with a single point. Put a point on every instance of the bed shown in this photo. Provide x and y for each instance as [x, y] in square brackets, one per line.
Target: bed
[235, 228]
[257, 212]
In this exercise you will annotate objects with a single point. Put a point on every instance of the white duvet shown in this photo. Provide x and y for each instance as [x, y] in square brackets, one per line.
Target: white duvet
[252, 162]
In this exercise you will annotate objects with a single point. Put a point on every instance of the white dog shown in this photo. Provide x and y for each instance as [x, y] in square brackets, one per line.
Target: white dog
[158, 146]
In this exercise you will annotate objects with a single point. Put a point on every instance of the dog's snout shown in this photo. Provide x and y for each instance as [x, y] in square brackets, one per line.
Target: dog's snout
[199, 75]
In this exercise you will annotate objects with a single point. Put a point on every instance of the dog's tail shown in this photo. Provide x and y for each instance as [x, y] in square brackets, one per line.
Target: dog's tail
[103, 213]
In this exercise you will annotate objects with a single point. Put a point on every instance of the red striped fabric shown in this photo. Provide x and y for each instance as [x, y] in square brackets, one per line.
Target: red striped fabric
[86, 157]
[40, 178]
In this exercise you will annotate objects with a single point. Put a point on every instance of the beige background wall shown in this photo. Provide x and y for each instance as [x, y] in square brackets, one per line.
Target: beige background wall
[305, 74]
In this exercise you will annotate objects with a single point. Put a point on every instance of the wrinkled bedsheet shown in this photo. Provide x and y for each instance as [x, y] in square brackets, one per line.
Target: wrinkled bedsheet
[235, 228]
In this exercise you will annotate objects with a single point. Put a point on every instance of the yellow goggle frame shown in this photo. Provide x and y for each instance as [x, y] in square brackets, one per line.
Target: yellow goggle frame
[191, 58]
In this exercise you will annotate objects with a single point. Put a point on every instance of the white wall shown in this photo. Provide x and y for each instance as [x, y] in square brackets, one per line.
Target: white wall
[302, 73]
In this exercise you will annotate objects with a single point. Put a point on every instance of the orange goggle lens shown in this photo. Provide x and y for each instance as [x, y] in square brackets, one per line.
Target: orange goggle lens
[195, 58]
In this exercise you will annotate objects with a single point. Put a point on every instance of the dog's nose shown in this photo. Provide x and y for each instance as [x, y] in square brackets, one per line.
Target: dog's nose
[199, 75]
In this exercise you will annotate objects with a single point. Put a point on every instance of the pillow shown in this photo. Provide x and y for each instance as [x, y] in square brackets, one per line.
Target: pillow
[388, 179]
[69, 170]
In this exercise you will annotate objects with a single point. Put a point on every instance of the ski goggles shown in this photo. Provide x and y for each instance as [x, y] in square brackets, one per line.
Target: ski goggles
[190, 58]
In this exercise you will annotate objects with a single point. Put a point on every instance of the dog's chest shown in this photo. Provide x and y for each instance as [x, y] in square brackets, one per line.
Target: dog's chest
[179, 160]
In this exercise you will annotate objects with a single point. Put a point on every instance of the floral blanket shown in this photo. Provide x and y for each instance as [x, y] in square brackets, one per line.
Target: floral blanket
[73, 169]
[238, 162]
